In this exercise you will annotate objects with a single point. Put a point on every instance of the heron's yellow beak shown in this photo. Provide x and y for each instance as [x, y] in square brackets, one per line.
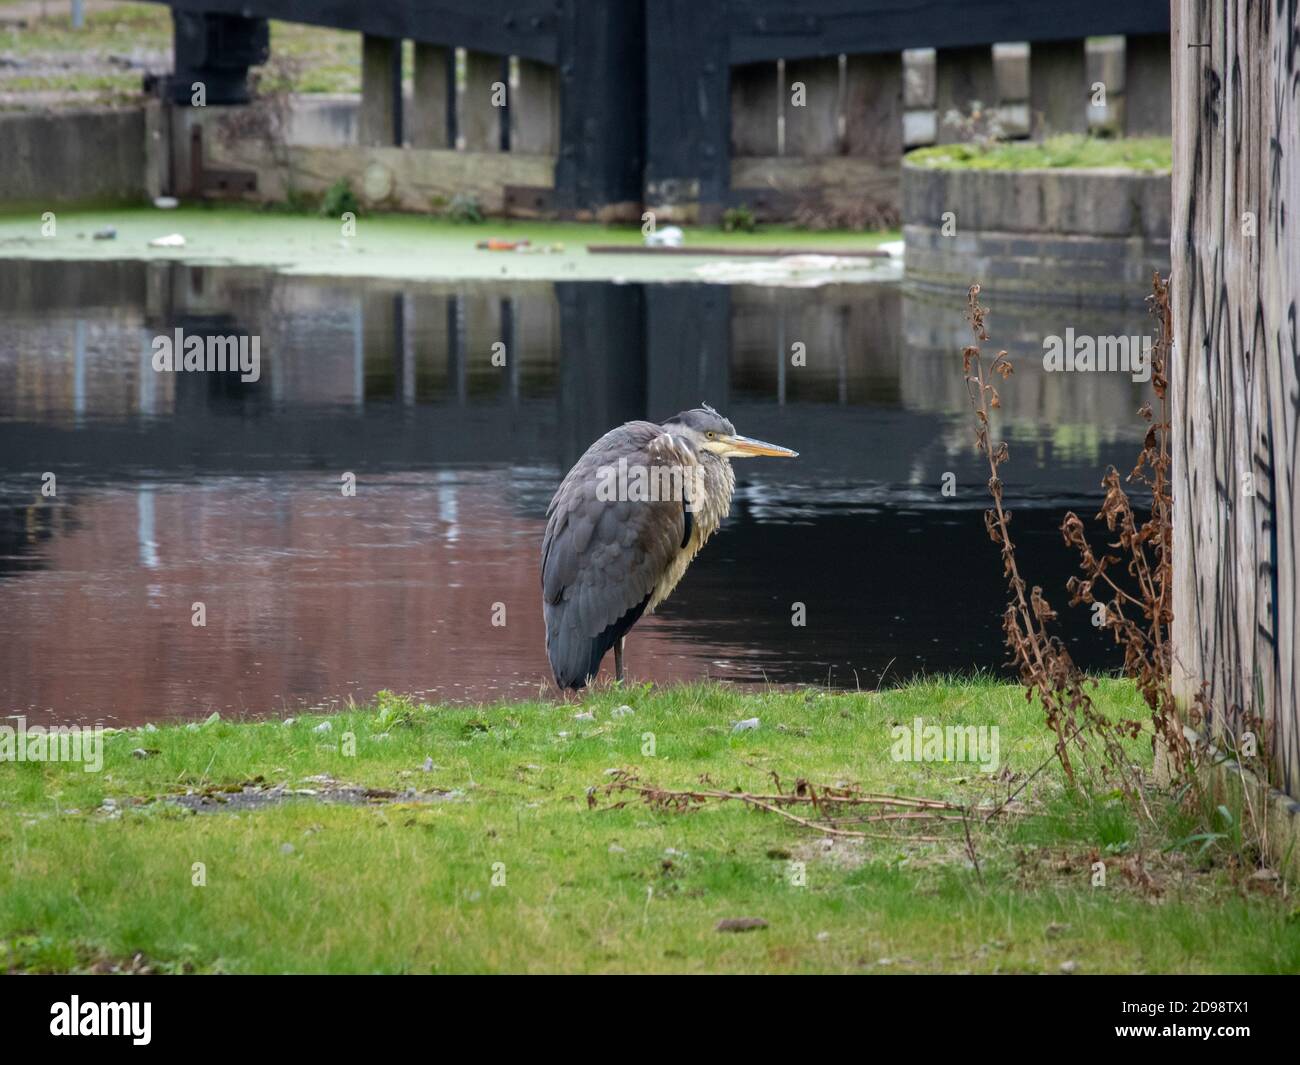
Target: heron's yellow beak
[747, 447]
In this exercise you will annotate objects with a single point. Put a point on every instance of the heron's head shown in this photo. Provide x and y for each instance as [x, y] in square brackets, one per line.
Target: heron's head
[710, 431]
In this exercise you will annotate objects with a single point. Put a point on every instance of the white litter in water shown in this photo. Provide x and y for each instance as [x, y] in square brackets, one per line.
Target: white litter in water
[668, 237]
[172, 240]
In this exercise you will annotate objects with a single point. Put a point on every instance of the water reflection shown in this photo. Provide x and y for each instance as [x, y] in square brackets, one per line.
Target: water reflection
[457, 408]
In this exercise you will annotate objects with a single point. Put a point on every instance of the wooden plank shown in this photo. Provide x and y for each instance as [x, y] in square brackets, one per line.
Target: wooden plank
[963, 76]
[1105, 59]
[918, 78]
[431, 343]
[873, 106]
[1058, 87]
[376, 125]
[1011, 67]
[537, 333]
[1146, 85]
[812, 107]
[427, 124]
[755, 109]
[478, 118]
[1234, 384]
[724, 250]
[535, 109]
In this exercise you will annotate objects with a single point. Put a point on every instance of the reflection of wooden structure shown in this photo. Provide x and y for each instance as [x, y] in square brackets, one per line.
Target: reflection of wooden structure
[1236, 391]
[684, 107]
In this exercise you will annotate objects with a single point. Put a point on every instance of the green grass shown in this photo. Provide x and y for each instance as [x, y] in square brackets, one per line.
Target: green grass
[328, 60]
[77, 61]
[393, 245]
[1146, 154]
[116, 29]
[408, 887]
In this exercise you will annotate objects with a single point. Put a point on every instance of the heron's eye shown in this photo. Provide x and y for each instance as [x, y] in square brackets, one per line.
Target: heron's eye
[709, 435]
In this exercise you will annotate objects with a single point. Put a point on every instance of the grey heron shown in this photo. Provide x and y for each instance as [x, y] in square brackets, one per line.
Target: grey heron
[623, 526]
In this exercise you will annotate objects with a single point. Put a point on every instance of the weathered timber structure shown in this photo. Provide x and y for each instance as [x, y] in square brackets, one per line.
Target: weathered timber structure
[1236, 371]
[686, 107]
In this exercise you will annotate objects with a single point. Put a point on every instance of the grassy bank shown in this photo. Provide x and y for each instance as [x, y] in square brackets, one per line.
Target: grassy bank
[476, 849]
[103, 61]
[1072, 151]
[395, 246]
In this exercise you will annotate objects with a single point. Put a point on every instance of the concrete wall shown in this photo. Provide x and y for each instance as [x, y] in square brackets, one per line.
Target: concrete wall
[326, 120]
[1065, 236]
[77, 157]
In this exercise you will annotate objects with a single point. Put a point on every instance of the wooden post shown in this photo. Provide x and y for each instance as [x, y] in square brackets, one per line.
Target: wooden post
[812, 107]
[535, 109]
[687, 108]
[1058, 87]
[1234, 381]
[873, 106]
[1146, 85]
[687, 344]
[603, 113]
[962, 76]
[376, 126]
[427, 124]
[596, 391]
[755, 108]
[478, 118]
[216, 50]
[381, 344]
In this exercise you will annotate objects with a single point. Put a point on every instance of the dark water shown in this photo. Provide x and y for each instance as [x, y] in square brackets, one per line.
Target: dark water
[174, 489]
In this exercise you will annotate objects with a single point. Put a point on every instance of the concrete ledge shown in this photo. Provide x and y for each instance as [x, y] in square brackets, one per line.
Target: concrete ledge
[421, 180]
[838, 191]
[88, 157]
[1091, 203]
[1082, 237]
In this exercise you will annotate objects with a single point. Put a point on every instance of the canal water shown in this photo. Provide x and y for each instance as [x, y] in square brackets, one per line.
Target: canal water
[174, 489]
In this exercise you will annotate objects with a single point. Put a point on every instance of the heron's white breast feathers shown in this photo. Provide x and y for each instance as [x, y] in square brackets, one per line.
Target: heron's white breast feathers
[719, 481]
[669, 450]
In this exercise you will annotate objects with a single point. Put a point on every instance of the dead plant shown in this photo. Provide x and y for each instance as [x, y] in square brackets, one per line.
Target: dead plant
[1131, 578]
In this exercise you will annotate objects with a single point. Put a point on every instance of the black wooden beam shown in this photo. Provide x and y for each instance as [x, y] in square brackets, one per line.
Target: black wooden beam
[602, 107]
[777, 29]
[527, 28]
[688, 104]
[217, 51]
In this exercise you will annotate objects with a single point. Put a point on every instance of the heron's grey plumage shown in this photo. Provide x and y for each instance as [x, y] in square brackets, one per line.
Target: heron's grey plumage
[605, 561]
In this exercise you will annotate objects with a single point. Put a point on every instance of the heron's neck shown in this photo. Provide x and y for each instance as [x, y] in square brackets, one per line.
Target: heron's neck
[719, 483]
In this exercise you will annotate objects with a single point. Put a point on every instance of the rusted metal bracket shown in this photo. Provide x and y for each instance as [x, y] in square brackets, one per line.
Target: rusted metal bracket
[204, 181]
[529, 201]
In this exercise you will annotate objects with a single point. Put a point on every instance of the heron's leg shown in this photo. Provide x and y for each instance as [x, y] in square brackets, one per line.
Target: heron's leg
[618, 659]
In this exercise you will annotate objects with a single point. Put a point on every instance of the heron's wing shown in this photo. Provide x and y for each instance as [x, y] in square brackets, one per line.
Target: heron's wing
[603, 555]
